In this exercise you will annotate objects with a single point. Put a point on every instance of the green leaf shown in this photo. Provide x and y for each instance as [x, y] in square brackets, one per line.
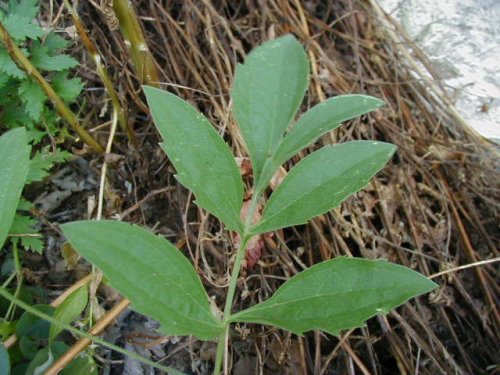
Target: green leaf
[338, 294]
[26, 8]
[41, 57]
[54, 41]
[7, 328]
[21, 27]
[45, 358]
[321, 181]
[149, 271]
[32, 326]
[28, 346]
[23, 229]
[84, 364]
[43, 161]
[15, 116]
[267, 91]
[33, 97]
[8, 66]
[25, 205]
[320, 119]
[4, 360]
[69, 310]
[14, 160]
[204, 163]
[67, 89]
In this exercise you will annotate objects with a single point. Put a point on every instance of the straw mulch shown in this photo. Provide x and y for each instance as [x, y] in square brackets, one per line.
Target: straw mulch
[433, 208]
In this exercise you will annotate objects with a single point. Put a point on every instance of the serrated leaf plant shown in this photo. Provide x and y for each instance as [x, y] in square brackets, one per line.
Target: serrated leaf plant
[22, 100]
[331, 296]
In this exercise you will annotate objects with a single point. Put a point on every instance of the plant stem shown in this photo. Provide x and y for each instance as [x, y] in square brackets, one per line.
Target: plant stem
[75, 331]
[17, 265]
[101, 70]
[131, 29]
[18, 56]
[240, 255]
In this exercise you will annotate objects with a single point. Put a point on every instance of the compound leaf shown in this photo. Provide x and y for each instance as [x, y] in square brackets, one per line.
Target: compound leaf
[338, 294]
[26, 8]
[320, 119]
[8, 66]
[321, 181]
[14, 163]
[148, 270]
[204, 162]
[67, 88]
[41, 57]
[23, 229]
[21, 27]
[33, 97]
[267, 91]
[54, 41]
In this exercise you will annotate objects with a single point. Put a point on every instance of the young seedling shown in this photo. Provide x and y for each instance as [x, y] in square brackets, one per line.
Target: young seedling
[331, 296]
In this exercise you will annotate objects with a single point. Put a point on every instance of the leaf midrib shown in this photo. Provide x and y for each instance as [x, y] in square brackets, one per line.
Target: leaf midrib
[271, 304]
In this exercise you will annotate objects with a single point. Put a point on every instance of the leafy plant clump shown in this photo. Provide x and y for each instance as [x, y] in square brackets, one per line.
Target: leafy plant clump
[22, 100]
[331, 296]
[31, 354]
[23, 103]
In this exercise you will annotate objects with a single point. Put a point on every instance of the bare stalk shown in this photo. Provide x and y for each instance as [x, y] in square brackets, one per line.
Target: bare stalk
[141, 56]
[66, 113]
[101, 70]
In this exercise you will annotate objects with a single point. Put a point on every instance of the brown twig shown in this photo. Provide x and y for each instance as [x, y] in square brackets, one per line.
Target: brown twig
[77, 348]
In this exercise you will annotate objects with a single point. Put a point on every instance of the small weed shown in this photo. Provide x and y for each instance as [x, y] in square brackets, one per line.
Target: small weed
[331, 296]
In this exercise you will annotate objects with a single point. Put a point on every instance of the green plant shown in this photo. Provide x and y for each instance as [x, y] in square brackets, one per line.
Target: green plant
[23, 101]
[331, 296]
[30, 353]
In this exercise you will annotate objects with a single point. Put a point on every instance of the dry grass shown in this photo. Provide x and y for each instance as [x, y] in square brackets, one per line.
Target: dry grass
[435, 207]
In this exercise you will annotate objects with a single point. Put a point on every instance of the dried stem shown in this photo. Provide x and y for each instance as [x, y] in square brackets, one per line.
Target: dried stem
[102, 71]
